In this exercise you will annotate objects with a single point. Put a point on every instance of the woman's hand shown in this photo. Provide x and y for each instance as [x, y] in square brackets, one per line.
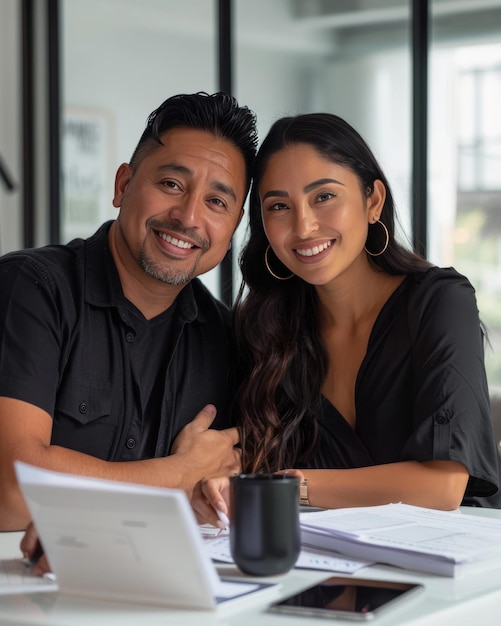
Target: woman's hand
[292, 472]
[210, 500]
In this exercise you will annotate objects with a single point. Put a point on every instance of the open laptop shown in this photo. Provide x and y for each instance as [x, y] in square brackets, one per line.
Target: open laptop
[120, 541]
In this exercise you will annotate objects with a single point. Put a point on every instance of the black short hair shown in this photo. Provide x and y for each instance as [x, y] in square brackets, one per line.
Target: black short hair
[217, 113]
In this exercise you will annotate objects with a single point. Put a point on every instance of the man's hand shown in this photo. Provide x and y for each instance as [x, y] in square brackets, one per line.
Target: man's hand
[25, 430]
[205, 450]
[33, 551]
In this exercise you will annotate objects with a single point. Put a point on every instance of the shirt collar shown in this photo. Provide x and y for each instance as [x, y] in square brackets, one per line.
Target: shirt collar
[103, 287]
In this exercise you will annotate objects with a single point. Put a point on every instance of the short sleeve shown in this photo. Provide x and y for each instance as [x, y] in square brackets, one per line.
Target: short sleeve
[30, 333]
[451, 403]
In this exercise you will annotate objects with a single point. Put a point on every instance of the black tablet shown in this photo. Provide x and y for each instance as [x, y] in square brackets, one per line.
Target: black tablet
[347, 598]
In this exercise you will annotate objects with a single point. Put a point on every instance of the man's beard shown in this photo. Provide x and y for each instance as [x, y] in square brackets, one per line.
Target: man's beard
[170, 276]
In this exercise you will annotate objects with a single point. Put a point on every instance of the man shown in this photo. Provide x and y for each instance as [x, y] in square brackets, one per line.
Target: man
[114, 358]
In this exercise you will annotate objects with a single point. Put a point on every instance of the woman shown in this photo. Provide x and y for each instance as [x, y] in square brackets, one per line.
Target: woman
[362, 364]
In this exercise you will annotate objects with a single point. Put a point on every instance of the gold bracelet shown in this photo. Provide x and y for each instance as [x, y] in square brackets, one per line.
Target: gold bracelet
[303, 493]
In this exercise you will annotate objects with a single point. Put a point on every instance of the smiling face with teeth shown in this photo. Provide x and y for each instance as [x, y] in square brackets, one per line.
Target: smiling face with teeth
[315, 214]
[178, 209]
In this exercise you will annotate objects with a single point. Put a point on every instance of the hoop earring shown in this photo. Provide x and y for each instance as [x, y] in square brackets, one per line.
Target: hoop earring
[386, 242]
[269, 268]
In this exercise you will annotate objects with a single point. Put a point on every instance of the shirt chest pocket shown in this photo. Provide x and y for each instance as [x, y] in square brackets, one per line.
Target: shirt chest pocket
[84, 401]
[83, 418]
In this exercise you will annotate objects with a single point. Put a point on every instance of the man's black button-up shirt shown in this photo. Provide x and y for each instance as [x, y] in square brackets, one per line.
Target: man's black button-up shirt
[118, 386]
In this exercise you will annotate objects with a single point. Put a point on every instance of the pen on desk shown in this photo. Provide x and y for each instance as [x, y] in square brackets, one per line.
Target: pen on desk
[223, 518]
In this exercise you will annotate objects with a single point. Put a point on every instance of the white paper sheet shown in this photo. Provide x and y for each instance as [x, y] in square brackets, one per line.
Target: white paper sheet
[218, 548]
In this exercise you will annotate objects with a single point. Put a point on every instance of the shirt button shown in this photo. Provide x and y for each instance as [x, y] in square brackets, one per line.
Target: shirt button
[83, 408]
[129, 337]
[130, 443]
[442, 419]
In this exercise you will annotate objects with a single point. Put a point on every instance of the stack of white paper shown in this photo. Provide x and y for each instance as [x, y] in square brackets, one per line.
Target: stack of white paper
[439, 542]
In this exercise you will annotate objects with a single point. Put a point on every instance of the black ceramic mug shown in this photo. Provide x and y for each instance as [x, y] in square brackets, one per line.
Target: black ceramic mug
[264, 534]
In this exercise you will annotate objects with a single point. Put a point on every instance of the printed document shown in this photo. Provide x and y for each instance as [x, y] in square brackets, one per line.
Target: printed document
[440, 542]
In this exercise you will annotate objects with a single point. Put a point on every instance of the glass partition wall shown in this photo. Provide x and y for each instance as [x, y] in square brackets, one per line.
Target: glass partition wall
[121, 58]
[464, 170]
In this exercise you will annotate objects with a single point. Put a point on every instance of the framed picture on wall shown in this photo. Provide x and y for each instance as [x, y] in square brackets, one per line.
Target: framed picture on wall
[88, 147]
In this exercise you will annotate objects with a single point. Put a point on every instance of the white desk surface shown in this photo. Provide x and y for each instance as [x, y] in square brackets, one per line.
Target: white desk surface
[473, 598]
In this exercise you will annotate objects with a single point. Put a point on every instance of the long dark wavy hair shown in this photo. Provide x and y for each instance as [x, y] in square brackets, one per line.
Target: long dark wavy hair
[282, 359]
